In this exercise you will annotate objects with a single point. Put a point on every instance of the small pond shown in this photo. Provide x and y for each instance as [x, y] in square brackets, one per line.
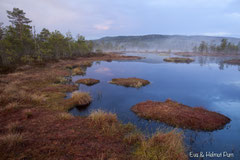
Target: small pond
[206, 82]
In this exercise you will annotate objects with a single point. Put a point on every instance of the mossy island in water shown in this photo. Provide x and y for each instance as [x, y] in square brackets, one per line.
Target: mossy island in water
[232, 61]
[179, 115]
[130, 82]
[178, 60]
[88, 81]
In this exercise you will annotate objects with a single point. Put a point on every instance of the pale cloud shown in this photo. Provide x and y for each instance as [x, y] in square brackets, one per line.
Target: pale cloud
[235, 15]
[104, 26]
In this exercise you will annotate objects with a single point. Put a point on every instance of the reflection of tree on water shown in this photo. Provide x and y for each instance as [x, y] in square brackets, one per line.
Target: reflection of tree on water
[222, 66]
[202, 60]
[205, 60]
[99, 95]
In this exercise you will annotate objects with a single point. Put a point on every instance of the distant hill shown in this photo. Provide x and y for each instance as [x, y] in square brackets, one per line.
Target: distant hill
[156, 42]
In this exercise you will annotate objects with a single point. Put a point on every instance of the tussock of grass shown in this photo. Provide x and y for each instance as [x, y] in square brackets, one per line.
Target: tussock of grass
[80, 99]
[12, 93]
[101, 117]
[178, 60]
[78, 71]
[134, 138]
[61, 80]
[130, 82]
[107, 122]
[64, 116]
[11, 140]
[88, 81]
[86, 64]
[162, 146]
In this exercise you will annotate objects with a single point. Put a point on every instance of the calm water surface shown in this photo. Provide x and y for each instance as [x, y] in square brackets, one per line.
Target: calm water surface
[206, 82]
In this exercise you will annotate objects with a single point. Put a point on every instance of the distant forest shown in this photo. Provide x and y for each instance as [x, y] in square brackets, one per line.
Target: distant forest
[168, 43]
[224, 48]
[19, 43]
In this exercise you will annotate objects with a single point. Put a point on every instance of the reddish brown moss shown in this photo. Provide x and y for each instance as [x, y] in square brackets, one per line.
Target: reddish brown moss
[88, 81]
[179, 115]
[130, 82]
[178, 60]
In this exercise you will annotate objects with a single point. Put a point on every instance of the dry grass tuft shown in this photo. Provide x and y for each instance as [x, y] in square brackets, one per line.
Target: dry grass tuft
[134, 138]
[130, 82]
[86, 64]
[79, 99]
[11, 140]
[64, 116]
[106, 121]
[61, 80]
[78, 71]
[101, 117]
[162, 146]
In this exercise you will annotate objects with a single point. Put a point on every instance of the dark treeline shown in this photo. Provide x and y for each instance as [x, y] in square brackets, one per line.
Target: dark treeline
[20, 44]
[224, 47]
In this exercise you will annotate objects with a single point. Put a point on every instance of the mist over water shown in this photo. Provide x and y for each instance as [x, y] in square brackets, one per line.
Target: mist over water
[206, 82]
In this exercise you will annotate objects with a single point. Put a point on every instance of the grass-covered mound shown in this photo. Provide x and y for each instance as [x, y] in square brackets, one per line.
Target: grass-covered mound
[179, 115]
[79, 99]
[232, 61]
[130, 82]
[78, 71]
[178, 60]
[88, 81]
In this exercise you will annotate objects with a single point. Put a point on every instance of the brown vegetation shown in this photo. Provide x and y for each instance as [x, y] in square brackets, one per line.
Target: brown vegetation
[178, 60]
[34, 124]
[179, 115]
[130, 82]
[161, 146]
[78, 71]
[88, 81]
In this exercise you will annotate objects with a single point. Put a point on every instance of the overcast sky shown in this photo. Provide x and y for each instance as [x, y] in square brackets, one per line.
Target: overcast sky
[99, 18]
